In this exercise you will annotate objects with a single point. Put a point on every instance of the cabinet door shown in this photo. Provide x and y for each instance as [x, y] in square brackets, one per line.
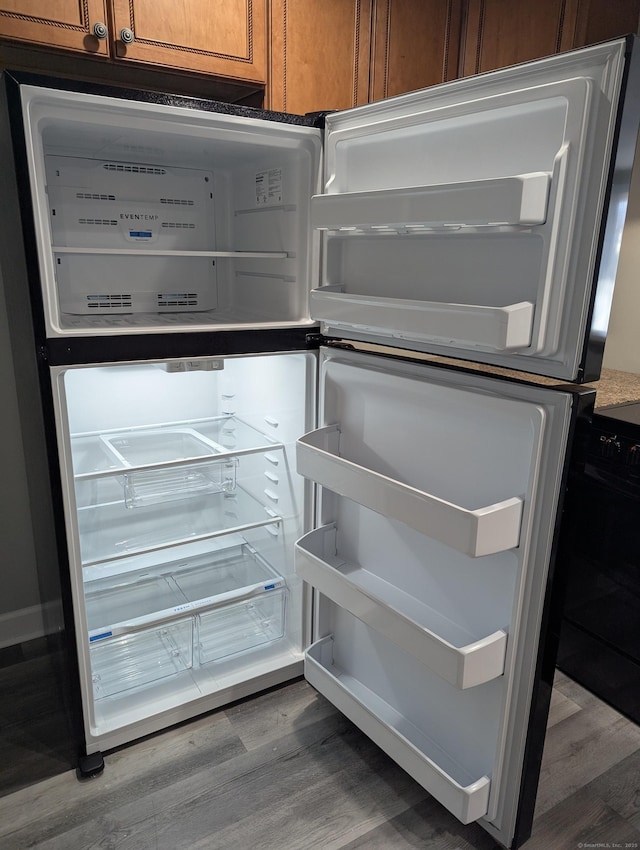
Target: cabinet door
[57, 23]
[226, 38]
[499, 32]
[414, 45]
[319, 54]
[599, 20]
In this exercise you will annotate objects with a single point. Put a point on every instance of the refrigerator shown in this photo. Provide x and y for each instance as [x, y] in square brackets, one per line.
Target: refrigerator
[311, 393]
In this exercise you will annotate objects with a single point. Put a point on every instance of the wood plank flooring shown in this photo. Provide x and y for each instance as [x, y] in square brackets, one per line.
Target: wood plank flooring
[286, 771]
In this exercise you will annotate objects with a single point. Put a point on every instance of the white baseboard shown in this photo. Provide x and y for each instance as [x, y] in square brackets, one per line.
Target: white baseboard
[29, 623]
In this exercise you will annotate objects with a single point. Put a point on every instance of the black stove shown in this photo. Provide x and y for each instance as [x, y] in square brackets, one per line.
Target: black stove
[600, 637]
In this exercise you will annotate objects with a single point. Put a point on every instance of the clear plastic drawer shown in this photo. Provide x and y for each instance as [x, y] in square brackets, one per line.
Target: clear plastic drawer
[141, 658]
[241, 626]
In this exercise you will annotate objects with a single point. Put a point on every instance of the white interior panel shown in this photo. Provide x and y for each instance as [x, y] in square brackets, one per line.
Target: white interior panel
[485, 192]
[154, 218]
[183, 509]
[405, 609]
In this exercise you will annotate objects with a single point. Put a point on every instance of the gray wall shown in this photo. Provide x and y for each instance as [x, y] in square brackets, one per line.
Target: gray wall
[18, 567]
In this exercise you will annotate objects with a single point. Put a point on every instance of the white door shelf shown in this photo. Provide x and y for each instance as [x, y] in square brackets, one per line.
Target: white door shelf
[518, 200]
[499, 328]
[446, 648]
[465, 797]
[480, 531]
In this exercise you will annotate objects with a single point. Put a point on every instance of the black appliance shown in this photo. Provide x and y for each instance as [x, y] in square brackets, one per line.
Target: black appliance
[600, 636]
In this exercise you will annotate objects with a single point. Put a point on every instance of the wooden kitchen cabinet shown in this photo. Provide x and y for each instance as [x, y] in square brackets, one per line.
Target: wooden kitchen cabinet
[56, 23]
[320, 54]
[500, 32]
[226, 38]
[414, 45]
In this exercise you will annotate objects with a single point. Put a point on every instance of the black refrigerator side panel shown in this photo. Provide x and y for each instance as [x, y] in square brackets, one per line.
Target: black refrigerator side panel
[602, 294]
[35, 415]
[550, 628]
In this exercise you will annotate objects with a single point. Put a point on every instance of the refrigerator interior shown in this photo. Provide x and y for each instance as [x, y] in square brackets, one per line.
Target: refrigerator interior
[465, 219]
[438, 495]
[182, 510]
[155, 218]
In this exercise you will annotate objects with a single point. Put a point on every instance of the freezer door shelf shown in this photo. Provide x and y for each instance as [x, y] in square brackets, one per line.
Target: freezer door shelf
[495, 328]
[464, 796]
[518, 200]
[446, 648]
[481, 531]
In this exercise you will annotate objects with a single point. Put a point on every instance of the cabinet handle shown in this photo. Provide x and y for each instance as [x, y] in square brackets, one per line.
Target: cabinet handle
[100, 30]
[126, 36]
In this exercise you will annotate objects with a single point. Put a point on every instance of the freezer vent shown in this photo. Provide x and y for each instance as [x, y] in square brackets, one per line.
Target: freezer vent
[183, 224]
[183, 203]
[89, 196]
[177, 299]
[133, 169]
[110, 302]
[108, 221]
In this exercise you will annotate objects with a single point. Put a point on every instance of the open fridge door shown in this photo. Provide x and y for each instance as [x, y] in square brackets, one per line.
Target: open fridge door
[439, 495]
[474, 219]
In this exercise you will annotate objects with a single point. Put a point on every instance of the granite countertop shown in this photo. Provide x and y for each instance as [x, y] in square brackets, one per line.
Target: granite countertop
[616, 387]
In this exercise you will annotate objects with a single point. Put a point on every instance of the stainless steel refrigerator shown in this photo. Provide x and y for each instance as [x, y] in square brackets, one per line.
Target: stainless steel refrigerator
[267, 453]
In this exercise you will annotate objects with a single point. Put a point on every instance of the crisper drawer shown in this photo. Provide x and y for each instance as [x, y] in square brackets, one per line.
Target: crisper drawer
[123, 662]
[241, 626]
[154, 622]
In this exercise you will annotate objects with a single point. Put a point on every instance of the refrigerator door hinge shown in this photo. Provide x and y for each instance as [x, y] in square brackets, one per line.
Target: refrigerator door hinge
[314, 340]
[43, 354]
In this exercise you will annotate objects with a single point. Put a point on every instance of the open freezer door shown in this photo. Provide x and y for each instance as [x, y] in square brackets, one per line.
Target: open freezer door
[475, 218]
[439, 497]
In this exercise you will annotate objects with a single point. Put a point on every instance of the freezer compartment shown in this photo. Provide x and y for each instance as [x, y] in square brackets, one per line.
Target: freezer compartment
[141, 658]
[475, 531]
[465, 795]
[446, 647]
[160, 218]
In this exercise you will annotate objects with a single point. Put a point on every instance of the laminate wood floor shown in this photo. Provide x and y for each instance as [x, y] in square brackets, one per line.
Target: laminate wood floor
[286, 771]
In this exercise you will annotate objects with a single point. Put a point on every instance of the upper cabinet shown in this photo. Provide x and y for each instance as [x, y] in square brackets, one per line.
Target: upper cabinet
[312, 56]
[226, 38]
[414, 45]
[500, 32]
[320, 54]
[57, 23]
